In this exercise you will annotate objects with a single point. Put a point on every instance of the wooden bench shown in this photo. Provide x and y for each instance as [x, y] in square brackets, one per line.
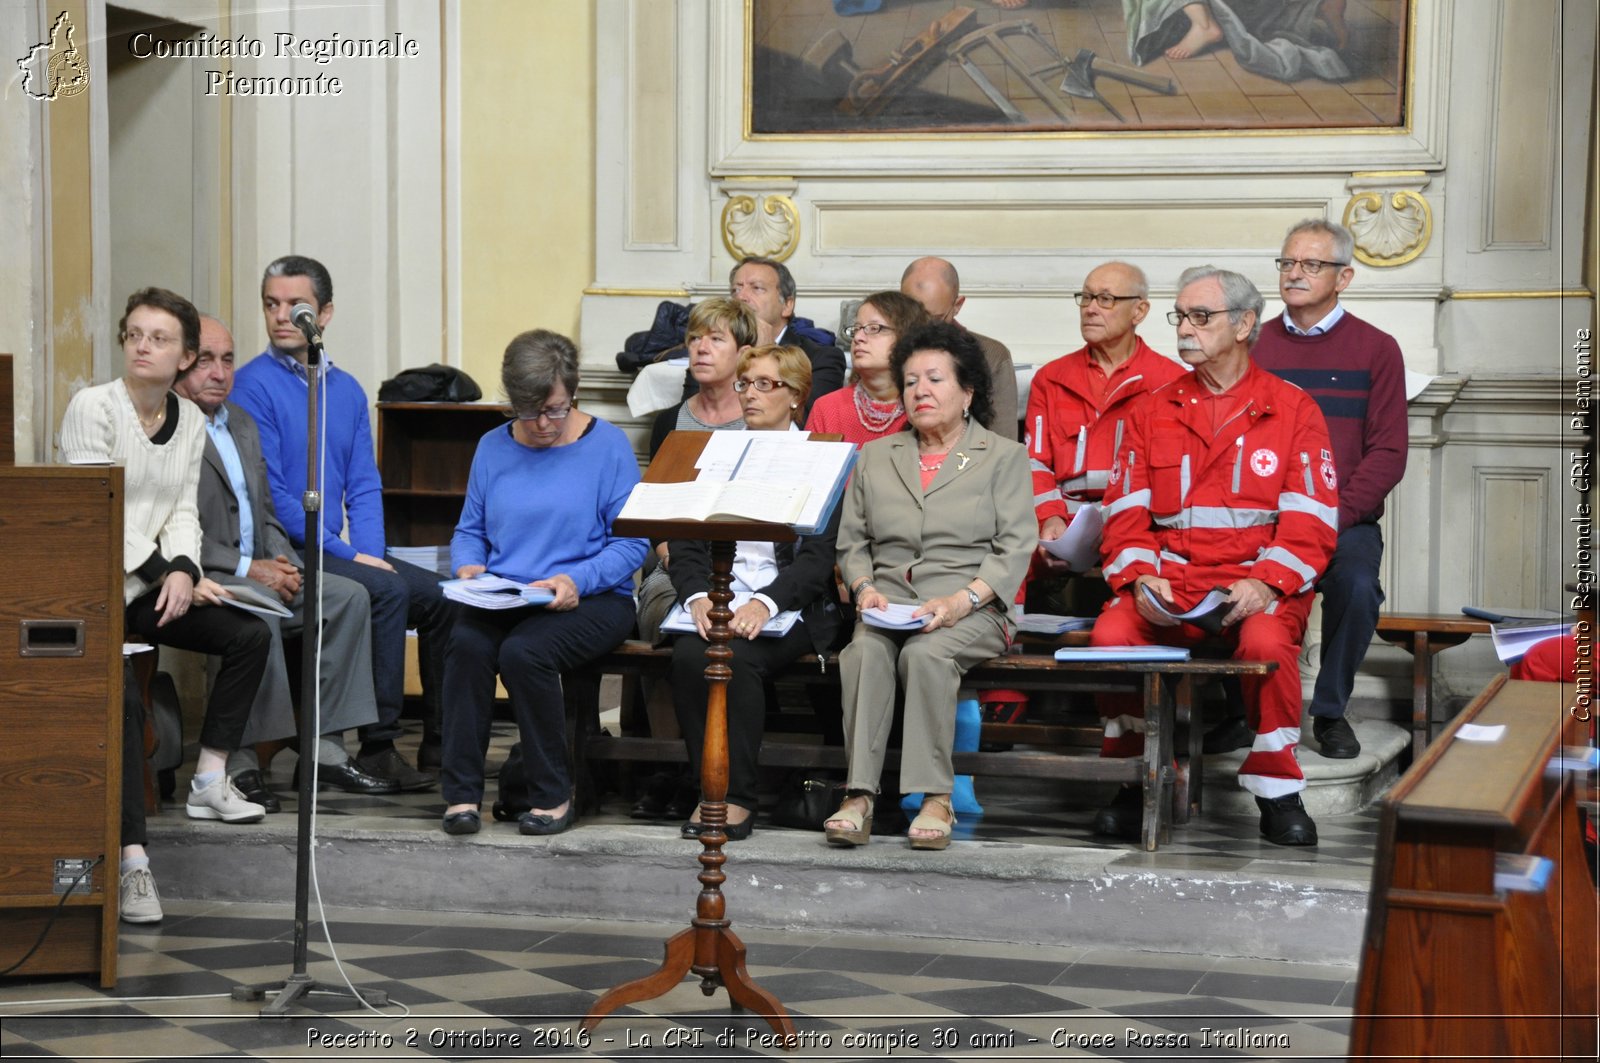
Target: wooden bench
[1165, 687]
[1422, 635]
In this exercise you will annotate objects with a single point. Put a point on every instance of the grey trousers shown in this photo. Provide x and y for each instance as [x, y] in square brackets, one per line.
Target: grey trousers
[929, 668]
[346, 681]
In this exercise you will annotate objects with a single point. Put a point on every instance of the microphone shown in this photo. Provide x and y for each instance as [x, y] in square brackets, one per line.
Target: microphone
[304, 317]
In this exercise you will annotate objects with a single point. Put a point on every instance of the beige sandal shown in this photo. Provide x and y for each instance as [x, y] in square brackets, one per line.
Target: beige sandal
[860, 829]
[923, 821]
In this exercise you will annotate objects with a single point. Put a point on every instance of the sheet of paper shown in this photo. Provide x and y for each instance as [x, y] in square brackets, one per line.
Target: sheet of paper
[1476, 732]
[771, 458]
[1079, 545]
[721, 456]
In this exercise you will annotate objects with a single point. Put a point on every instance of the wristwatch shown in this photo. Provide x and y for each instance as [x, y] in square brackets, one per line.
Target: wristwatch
[862, 586]
[977, 602]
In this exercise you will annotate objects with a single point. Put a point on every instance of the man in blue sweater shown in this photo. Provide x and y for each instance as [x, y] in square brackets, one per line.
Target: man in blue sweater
[272, 389]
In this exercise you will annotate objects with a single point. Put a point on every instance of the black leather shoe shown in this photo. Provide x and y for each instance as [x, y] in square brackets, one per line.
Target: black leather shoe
[659, 790]
[467, 821]
[1124, 817]
[352, 780]
[735, 832]
[254, 789]
[1335, 738]
[1232, 733]
[1285, 821]
[392, 766]
[544, 823]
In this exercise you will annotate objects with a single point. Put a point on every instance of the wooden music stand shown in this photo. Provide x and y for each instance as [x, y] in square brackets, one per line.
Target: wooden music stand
[708, 947]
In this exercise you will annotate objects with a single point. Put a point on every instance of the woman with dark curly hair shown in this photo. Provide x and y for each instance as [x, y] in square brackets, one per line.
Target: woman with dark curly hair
[940, 517]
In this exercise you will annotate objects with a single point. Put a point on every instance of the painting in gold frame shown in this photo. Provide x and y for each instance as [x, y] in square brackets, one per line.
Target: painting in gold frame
[835, 67]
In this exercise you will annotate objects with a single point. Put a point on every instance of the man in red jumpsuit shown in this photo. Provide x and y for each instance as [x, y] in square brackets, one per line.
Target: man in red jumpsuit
[1225, 480]
[1078, 405]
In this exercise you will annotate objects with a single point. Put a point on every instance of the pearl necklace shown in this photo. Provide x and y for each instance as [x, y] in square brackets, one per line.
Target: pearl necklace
[935, 467]
[875, 416]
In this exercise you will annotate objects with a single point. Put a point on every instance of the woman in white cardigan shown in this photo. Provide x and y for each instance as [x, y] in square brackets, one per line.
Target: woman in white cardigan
[137, 421]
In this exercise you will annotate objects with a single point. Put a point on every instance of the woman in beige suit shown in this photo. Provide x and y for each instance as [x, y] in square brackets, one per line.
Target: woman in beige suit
[940, 517]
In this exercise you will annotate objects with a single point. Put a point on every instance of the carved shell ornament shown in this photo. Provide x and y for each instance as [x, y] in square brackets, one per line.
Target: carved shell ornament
[768, 229]
[1391, 228]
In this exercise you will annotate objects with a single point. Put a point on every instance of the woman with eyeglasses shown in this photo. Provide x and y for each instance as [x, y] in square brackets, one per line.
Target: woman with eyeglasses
[138, 421]
[870, 408]
[541, 498]
[773, 383]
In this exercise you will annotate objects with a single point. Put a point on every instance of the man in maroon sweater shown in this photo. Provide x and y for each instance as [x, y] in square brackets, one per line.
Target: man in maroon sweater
[1357, 376]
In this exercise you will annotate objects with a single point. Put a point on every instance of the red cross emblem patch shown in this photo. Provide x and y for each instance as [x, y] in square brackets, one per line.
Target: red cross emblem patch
[1264, 462]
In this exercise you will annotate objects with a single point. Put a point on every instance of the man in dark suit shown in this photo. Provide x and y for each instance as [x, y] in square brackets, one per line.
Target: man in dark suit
[242, 544]
[768, 288]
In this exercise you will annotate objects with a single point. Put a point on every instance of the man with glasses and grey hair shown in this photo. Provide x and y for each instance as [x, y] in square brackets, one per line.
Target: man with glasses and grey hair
[1220, 483]
[1357, 376]
[1079, 404]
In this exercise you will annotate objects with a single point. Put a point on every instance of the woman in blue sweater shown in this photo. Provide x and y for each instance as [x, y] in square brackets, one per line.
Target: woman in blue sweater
[541, 498]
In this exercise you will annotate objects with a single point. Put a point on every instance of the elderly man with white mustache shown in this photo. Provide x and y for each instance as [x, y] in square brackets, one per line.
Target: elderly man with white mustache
[1356, 374]
[1221, 483]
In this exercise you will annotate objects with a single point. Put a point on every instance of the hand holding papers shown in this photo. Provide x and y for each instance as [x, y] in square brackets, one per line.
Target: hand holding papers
[252, 601]
[681, 621]
[1079, 545]
[495, 592]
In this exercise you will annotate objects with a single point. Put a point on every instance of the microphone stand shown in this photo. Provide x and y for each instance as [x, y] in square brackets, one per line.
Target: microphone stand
[299, 984]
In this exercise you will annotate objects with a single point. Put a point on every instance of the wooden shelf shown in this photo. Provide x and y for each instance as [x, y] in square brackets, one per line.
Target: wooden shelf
[425, 452]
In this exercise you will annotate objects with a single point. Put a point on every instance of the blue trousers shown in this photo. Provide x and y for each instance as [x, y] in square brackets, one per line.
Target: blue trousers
[1351, 598]
[407, 597]
[529, 648]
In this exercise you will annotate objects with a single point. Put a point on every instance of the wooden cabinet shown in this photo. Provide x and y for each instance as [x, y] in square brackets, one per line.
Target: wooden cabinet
[1453, 968]
[424, 454]
[61, 714]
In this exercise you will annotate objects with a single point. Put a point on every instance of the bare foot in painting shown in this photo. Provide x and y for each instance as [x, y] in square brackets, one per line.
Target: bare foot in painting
[1204, 33]
[1332, 12]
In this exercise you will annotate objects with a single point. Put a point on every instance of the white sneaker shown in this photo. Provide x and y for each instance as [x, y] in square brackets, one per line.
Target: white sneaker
[140, 903]
[222, 800]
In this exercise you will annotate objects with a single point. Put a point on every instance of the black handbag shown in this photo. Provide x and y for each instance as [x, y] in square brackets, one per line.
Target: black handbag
[430, 383]
[805, 803]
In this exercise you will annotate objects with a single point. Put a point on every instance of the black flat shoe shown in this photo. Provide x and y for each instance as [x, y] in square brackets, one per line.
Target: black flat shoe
[659, 791]
[1335, 738]
[544, 823]
[735, 832]
[466, 821]
[254, 789]
[1285, 821]
[1232, 733]
[352, 780]
[1124, 817]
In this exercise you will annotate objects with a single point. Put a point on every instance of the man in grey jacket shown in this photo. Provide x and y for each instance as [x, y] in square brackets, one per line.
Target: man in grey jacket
[242, 544]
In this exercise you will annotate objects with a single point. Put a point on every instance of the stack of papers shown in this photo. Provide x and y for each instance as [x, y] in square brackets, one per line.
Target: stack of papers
[1521, 872]
[495, 592]
[1051, 624]
[1122, 653]
[681, 621]
[429, 558]
[895, 618]
[1516, 637]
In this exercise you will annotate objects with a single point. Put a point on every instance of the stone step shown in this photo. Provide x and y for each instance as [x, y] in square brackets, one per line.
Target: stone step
[1333, 787]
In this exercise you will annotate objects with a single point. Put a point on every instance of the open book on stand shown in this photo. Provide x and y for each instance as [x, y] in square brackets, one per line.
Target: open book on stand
[774, 477]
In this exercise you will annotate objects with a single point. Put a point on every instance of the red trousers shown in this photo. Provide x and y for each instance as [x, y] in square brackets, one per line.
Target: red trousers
[1271, 702]
[1554, 660]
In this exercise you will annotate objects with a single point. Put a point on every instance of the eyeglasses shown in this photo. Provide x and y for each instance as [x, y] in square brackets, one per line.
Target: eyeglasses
[760, 383]
[1104, 300]
[158, 340]
[866, 330]
[1311, 266]
[1197, 318]
[549, 413]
